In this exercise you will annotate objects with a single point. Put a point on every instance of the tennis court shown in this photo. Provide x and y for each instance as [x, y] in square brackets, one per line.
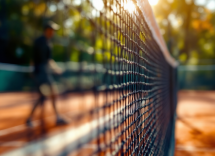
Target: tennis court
[14, 133]
[15, 108]
[195, 129]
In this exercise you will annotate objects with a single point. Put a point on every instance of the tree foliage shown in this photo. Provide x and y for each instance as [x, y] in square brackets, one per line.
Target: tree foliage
[188, 29]
[22, 21]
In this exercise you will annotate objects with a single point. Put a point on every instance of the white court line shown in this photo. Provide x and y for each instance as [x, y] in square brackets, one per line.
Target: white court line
[12, 143]
[194, 149]
[18, 128]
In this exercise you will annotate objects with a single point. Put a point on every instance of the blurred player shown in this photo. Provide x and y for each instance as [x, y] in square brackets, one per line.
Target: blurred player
[43, 62]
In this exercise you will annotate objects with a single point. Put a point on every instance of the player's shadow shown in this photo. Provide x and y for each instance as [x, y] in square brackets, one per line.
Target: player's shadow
[195, 130]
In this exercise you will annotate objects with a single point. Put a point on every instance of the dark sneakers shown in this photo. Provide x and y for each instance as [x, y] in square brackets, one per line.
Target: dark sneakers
[29, 123]
[61, 121]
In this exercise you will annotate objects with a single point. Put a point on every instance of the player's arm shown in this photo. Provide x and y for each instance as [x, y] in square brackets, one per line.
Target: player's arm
[53, 65]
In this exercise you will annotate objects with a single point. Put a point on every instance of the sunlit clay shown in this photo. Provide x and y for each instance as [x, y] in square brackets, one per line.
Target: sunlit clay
[153, 2]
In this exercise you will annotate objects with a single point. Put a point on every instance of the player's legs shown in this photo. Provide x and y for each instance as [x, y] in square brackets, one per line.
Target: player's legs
[46, 89]
[40, 101]
[36, 104]
[53, 96]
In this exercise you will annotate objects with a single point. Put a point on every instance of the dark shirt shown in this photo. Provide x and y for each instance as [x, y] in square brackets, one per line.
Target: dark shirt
[41, 53]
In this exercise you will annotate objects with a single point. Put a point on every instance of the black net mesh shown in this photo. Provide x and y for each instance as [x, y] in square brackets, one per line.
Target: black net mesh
[131, 85]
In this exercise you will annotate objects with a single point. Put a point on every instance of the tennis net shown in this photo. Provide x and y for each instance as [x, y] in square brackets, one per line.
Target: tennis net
[128, 71]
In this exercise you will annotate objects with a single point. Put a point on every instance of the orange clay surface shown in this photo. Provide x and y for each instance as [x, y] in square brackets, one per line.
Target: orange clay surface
[16, 107]
[195, 125]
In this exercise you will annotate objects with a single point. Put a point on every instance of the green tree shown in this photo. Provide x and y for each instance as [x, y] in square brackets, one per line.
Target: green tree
[187, 29]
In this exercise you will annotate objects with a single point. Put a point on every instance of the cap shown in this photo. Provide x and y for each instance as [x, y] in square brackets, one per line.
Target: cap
[52, 25]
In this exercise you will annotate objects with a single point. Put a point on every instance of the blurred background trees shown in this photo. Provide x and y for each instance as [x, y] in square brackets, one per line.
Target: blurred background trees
[21, 21]
[186, 25]
[188, 28]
